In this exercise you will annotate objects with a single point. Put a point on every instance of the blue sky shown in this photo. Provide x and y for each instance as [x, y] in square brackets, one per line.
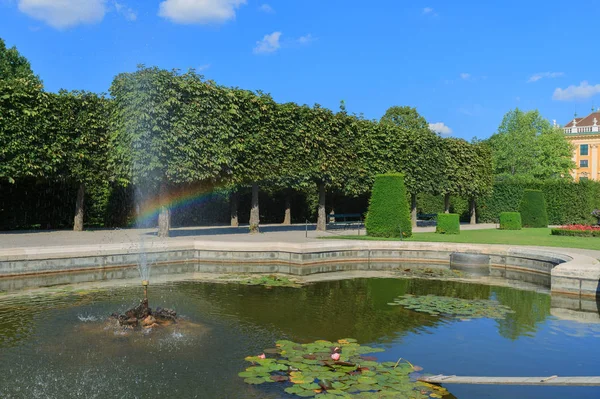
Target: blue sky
[463, 64]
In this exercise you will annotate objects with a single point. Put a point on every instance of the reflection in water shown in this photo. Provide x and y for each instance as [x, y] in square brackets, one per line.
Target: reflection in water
[56, 346]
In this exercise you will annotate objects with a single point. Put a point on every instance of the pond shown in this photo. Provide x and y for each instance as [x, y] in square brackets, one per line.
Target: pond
[55, 343]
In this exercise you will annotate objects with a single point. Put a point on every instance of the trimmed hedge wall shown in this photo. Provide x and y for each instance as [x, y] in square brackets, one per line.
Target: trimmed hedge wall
[389, 212]
[510, 221]
[533, 209]
[567, 202]
[448, 223]
[575, 233]
[429, 204]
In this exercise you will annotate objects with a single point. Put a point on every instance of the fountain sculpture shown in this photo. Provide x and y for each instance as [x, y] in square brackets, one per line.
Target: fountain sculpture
[142, 315]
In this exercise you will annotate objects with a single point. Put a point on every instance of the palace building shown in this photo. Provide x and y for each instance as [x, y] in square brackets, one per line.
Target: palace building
[584, 134]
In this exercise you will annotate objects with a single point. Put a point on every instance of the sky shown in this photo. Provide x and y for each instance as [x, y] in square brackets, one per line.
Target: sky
[463, 64]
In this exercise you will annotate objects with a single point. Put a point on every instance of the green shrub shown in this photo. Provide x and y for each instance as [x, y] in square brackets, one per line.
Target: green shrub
[510, 221]
[448, 223]
[389, 212]
[533, 209]
[567, 202]
[575, 233]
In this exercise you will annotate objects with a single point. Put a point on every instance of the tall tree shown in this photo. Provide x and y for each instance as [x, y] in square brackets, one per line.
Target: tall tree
[26, 148]
[527, 145]
[327, 154]
[169, 129]
[79, 121]
[414, 150]
[258, 145]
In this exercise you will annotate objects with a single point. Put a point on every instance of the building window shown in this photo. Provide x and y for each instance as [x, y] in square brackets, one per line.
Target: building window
[583, 163]
[584, 149]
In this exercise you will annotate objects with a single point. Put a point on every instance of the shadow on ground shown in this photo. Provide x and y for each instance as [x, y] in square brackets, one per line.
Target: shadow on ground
[213, 231]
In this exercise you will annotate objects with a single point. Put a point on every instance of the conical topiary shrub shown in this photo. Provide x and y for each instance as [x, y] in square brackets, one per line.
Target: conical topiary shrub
[533, 209]
[389, 214]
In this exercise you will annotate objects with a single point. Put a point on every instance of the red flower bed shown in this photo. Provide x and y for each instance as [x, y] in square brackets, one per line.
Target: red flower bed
[577, 230]
[581, 227]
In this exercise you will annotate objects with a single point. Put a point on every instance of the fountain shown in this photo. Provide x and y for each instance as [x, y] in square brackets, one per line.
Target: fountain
[142, 315]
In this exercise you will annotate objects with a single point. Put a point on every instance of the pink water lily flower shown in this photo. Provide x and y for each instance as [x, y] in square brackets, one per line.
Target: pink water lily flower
[335, 356]
[262, 356]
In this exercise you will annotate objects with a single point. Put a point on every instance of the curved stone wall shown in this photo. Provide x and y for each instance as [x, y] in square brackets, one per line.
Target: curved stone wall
[564, 271]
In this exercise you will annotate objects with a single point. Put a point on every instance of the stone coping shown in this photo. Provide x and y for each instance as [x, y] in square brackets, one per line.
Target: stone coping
[571, 273]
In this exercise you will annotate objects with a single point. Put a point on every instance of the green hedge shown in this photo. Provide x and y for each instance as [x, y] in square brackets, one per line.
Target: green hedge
[448, 223]
[429, 204]
[567, 202]
[510, 221]
[533, 209]
[389, 212]
[575, 233]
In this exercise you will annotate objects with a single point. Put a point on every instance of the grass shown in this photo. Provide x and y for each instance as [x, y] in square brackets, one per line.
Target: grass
[530, 237]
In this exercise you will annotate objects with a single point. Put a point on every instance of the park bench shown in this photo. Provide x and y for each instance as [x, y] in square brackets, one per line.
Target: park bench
[426, 216]
[344, 220]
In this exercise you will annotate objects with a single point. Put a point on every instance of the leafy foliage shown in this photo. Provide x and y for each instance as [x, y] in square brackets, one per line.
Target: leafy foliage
[325, 369]
[411, 148]
[388, 214]
[527, 145]
[533, 209]
[456, 307]
[26, 148]
[510, 221]
[448, 223]
[567, 202]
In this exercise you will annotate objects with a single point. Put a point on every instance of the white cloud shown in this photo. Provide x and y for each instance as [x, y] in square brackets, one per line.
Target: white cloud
[427, 10]
[268, 44]
[306, 39]
[63, 14]
[199, 11]
[465, 76]
[440, 128]
[266, 8]
[125, 11]
[584, 90]
[203, 67]
[541, 75]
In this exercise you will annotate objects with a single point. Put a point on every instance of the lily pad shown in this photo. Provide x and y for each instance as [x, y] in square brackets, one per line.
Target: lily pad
[456, 307]
[308, 370]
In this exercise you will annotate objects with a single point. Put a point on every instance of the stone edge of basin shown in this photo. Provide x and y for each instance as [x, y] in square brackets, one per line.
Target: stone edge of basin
[573, 273]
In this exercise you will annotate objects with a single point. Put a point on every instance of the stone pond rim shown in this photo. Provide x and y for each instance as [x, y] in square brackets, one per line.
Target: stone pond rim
[569, 272]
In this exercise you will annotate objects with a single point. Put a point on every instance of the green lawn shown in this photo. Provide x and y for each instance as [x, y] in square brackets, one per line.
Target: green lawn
[533, 237]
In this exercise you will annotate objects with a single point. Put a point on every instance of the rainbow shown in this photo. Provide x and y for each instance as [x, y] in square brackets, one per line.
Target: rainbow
[181, 199]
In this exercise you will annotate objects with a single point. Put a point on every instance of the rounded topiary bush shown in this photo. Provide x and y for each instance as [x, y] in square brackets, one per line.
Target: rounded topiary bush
[389, 213]
[510, 221]
[533, 209]
[448, 223]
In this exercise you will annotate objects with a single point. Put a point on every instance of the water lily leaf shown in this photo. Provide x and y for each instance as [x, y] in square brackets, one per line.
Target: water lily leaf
[312, 372]
[367, 380]
[457, 307]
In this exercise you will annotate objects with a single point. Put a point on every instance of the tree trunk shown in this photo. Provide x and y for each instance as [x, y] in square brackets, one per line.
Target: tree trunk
[79, 205]
[447, 203]
[233, 203]
[287, 219]
[322, 215]
[473, 211]
[164, 217]
[254, 211]
[413, 209]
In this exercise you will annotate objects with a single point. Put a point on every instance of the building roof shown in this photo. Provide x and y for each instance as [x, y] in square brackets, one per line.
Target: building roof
[570, 124]
[589, 120]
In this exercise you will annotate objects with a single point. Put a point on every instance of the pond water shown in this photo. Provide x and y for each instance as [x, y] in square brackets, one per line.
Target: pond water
[55, 344]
